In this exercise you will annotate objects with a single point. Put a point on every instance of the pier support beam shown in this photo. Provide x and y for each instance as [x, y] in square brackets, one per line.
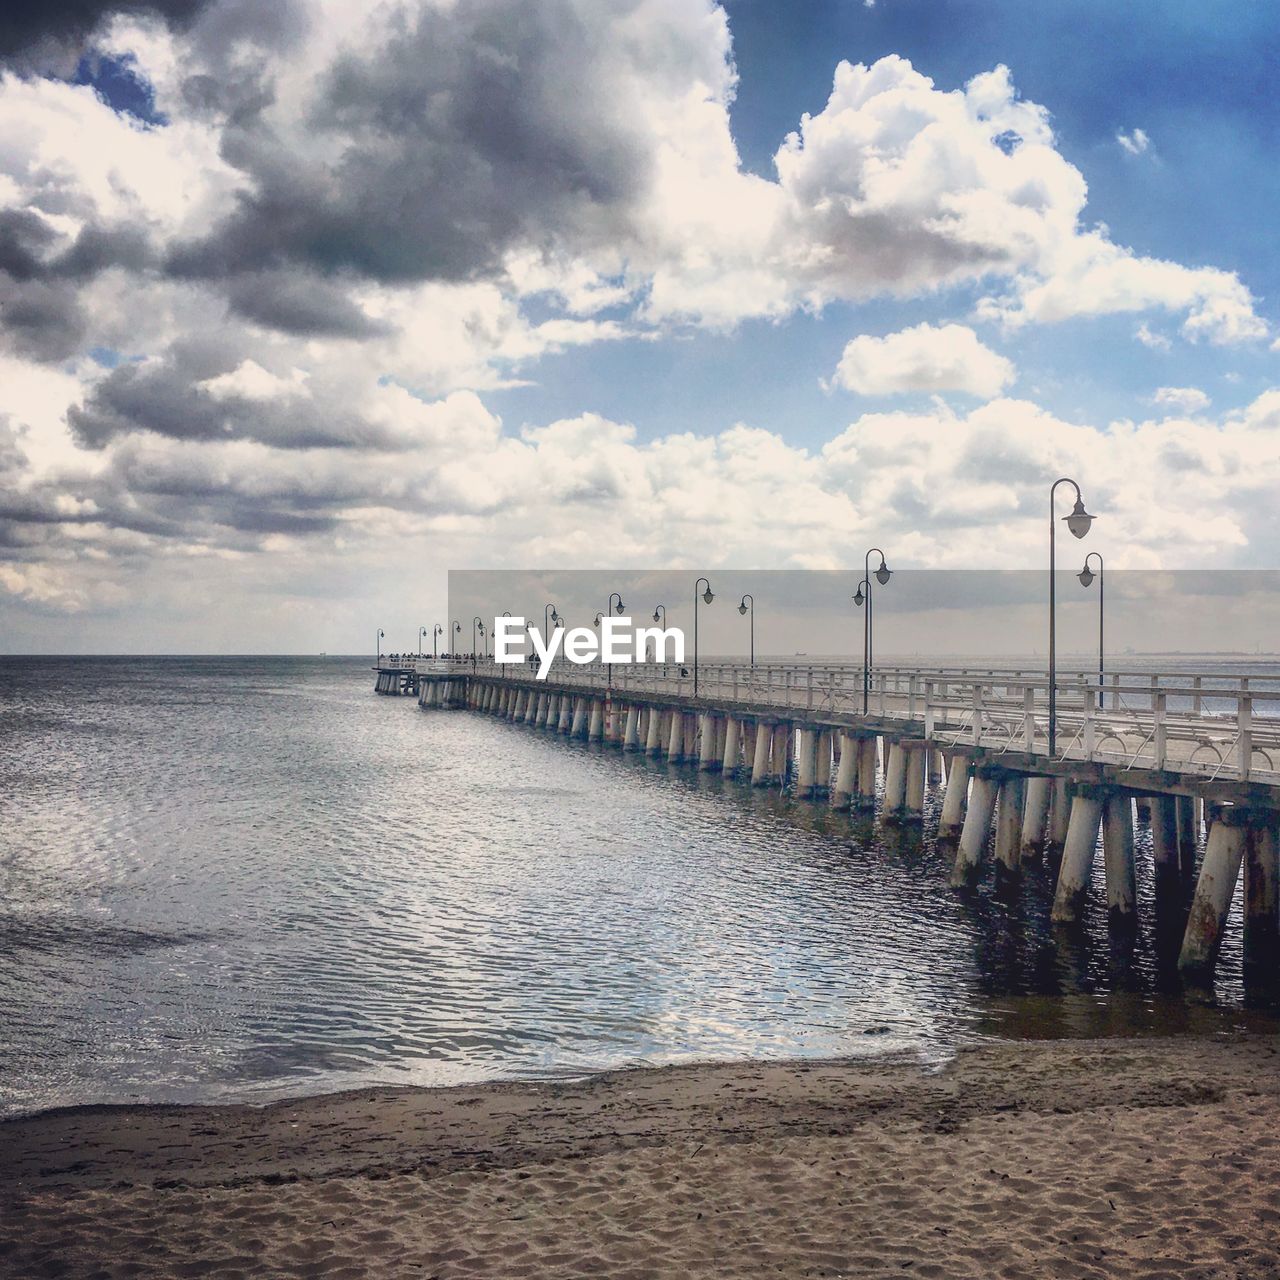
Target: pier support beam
[760, 764]
[1262, 900]
[780, 756]
[916, 754]
[806, 762]
[895, 783]
[675, 738]
[1188, 838]
[653, 733]
[595, 731]
[1077, 856]
[565, 721]
[1059, 822]
[732, 746]
[1035, 818]
[953, 803]
[579, 727]
[708, 760]
[631, 734]
[1223, 855]
[975, 833]
[846, 772]
[867, 756]
[1117, 854]
[822, 779]
[1011, 798]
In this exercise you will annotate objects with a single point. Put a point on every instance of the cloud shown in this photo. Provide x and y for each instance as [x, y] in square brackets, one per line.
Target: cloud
[1151, 340]
[1182, 399]
[64, 25]
[923, 358]
[1134, 142]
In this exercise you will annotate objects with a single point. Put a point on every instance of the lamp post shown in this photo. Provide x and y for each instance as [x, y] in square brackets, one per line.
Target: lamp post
[1086, 577]
[707, 598]
[1078, 523]
[422, 631]
[436, 633]
[381, 633]
[610, 608]
[475, 622]
[457, 631]
[550, 615]
[750, 601]
[882, 576]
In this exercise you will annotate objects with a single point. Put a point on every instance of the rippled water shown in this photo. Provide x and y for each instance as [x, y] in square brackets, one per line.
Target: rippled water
[243, 878]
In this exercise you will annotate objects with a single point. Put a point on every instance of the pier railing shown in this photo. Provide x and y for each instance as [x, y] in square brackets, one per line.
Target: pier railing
[1208, 724]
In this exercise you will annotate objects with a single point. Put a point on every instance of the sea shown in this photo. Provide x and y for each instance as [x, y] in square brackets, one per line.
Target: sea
[245, 878]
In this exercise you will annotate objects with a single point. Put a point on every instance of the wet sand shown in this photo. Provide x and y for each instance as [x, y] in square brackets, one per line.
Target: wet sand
[1136, 1157]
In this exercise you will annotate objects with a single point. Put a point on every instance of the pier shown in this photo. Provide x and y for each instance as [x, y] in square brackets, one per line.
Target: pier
[1195, 755]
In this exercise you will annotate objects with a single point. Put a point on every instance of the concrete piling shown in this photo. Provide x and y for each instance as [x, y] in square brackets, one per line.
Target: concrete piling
[760, 764]
[1009, 802]
[1077, 856]
[974, 835]
[1059, 821]
[1118, 861]
[631, 734]
[865, 796]
[1035, 818]
[780, 756]
[806, 762]
[675, 737]
[951, 820]
[895, 783]
[708, 760]
[1223, 855]
[732, 746]
[916, 765]
[1262, 899]
[846, 772]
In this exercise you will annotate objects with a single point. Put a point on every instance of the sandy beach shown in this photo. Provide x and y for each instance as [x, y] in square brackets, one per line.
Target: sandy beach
[1136, 1157]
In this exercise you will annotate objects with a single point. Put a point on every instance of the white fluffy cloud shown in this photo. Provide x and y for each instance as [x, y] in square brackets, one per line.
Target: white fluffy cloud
[1181, 399]
[924, 358]
[1135, 142]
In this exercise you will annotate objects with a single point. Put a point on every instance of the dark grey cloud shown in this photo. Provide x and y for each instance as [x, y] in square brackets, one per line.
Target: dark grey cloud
[300, 303]
[470, 131]
[43, 320]
[167, 397]
[29, 24]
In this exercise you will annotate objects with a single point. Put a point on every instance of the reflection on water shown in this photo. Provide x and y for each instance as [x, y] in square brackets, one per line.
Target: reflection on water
[246, 878]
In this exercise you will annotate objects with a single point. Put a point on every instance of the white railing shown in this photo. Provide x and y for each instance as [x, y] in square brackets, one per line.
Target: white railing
[1227, 729]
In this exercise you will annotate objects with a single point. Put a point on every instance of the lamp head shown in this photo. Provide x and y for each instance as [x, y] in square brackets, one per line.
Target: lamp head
[742, 608]
[1079, 520]
[707, 596]
[1086, 576]
[883, 573]
[655, 614]
[619, 607]
[859, 598]
[596, 621]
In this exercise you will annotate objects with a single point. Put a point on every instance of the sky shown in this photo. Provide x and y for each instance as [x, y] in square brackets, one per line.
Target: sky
[304, 305]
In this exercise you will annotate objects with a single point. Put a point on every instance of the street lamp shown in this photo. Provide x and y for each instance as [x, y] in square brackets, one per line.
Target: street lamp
[475, 622]
[550, 615]
[742, 608]
[707, 598]
[381, 633]
[457, 631]
[618, 609]
[422, 631]
[882, 576]
[1086, 576]
[436, 633]
[1078, 522]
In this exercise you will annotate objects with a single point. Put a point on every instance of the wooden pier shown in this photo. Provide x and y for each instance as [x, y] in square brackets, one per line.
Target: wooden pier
[1195, 754]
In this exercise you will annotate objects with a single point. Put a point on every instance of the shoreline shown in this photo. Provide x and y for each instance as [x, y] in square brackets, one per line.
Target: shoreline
[1140, 1156]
